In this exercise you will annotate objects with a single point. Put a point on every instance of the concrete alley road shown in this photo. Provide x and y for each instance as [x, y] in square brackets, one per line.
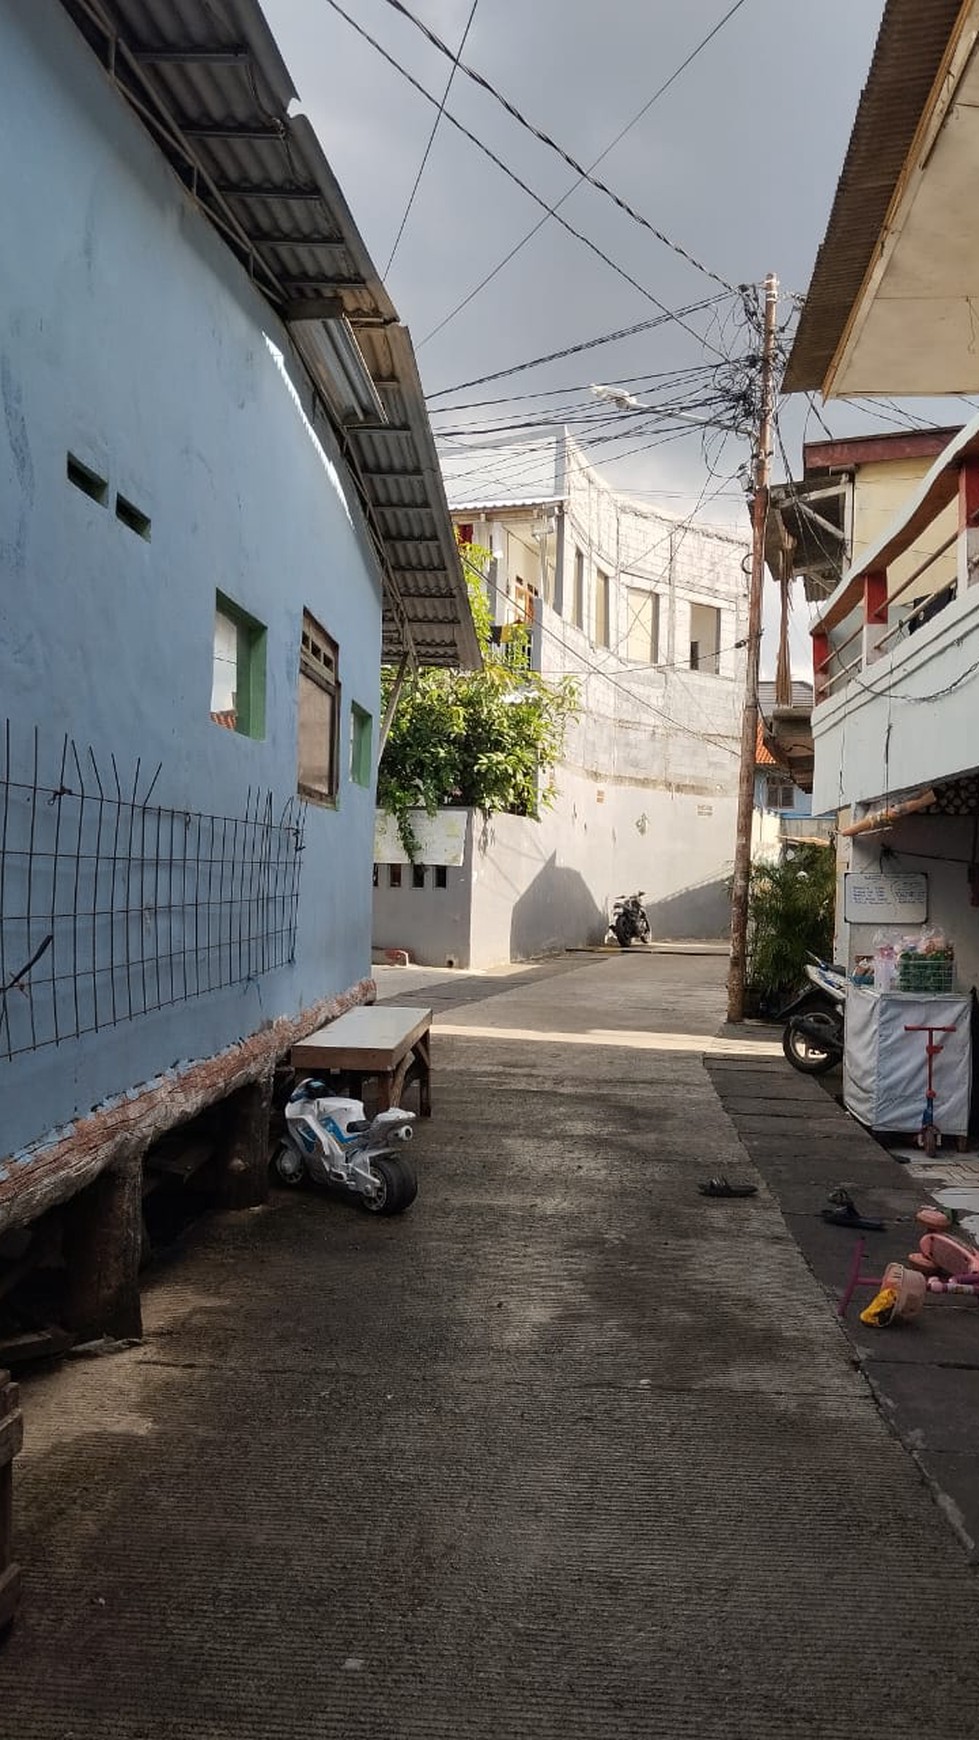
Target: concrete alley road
[568, 1453]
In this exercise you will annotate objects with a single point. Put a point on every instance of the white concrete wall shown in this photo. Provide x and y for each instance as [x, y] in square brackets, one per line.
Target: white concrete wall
[942, 847]
[432, 923]
[909, 719]
[647, 787]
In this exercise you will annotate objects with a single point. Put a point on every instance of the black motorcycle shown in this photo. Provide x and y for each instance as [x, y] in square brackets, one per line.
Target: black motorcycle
[812, 1038]
[629, 923]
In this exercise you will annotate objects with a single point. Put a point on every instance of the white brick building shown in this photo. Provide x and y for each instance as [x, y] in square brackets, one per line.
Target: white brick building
[647, 610]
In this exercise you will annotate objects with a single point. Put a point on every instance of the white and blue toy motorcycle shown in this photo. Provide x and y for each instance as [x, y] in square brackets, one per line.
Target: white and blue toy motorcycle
[330, 1141]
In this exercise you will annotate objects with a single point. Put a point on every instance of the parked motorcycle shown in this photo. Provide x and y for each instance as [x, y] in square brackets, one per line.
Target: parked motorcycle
[628, 923]
[813, 1035]
[330, 1141]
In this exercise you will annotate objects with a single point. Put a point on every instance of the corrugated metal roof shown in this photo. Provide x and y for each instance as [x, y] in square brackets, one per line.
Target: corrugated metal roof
[209, 84]
[801, 697]
[911, 46]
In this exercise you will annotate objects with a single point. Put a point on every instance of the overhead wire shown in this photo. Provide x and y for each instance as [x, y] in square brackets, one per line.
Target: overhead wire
[518, 180]
[578, 387]
[575, 349]
[730, 408]
[518, 477]
[582, 173]
[552, 210]
[431, 137]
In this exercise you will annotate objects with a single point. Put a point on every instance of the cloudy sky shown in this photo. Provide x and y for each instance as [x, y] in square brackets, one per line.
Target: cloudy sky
[736, 162]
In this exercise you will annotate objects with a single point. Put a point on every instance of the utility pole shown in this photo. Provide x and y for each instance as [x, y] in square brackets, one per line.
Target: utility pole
[749, 718]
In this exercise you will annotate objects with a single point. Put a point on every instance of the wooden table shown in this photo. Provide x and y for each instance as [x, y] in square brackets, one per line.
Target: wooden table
[384, 1042]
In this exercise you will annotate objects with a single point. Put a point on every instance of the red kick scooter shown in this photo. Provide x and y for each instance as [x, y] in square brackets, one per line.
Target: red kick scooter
[930, 1135]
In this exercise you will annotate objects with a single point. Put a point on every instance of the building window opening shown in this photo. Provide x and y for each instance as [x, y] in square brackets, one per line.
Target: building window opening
[417, 875]
[779, 794]
[319, 713]
[361, 730]
[601, 608]
[238, 670]
[642, 634]
[705, 639]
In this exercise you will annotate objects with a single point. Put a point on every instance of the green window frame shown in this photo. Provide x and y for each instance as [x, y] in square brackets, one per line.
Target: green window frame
[249, 637]
[361, 744]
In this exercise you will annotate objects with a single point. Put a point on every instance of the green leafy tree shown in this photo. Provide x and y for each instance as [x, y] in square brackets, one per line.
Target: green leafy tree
[486, 739]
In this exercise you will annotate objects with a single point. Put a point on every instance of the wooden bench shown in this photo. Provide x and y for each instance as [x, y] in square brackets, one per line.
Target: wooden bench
[385, 1043]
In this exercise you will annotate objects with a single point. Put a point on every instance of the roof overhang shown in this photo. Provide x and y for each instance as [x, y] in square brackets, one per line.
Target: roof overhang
[212, 90]
[891, 306]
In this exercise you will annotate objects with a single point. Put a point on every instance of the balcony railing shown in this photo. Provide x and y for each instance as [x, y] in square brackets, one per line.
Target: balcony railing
[865, 619]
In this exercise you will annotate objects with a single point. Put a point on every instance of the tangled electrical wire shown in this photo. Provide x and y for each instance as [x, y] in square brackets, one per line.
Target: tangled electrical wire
[713, 400]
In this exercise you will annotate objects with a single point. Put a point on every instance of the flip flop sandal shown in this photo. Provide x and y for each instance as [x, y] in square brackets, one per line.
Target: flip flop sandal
[851, 1217]
[721, 1187]
[846, 1213]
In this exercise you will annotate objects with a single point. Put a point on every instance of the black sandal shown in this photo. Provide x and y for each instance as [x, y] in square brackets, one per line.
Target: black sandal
[721, 1187]
[846, 1213]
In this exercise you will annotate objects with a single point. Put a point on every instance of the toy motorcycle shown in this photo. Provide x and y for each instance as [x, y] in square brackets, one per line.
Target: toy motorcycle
[330, 1141]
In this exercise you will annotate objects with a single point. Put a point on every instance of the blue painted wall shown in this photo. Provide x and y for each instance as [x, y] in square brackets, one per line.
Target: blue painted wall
[801, 804]
[131, 337]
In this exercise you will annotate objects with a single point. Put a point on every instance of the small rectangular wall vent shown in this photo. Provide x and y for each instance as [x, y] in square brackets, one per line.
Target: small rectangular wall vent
[88, 481]
[132, 517]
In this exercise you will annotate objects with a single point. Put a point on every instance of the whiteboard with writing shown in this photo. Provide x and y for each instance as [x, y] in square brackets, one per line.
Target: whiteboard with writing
[872, 899]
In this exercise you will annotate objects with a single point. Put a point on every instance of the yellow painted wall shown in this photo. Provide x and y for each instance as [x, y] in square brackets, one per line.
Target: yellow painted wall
[880, 492]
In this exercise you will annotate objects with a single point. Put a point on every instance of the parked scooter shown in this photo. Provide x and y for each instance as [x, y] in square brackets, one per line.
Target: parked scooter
[330, 1141]
[628, 923]
[813, 1035]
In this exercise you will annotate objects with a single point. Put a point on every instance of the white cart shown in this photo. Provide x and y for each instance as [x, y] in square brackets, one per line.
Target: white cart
[885, 1068]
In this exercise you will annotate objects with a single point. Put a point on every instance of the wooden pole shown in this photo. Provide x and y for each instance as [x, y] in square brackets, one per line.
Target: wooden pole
[749, 717]
[393, 699]
[11, 1440]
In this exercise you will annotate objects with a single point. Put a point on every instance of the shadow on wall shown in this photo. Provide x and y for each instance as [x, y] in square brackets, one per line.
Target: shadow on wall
[702, 911]
[557, 911]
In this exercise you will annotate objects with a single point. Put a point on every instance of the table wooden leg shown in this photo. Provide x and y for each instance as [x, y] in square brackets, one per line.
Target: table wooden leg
[423, 1052]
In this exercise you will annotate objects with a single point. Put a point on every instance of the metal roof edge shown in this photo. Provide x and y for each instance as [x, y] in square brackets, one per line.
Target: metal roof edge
[403, 356]
[302, 129]
[915, 506]
[181, 69]
[909, 55]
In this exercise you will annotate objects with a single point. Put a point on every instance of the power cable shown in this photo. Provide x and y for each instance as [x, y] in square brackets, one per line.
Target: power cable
[643, 381]
[552, 210]
[582, 173]
[576, 349]
[516, 179]
[518, 478]
[431, 137]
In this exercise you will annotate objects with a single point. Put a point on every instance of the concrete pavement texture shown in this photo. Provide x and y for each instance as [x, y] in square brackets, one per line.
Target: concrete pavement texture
[567, 1452]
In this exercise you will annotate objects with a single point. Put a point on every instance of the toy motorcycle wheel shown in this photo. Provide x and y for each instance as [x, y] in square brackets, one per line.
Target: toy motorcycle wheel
[287, 1165]
[398, 1186]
